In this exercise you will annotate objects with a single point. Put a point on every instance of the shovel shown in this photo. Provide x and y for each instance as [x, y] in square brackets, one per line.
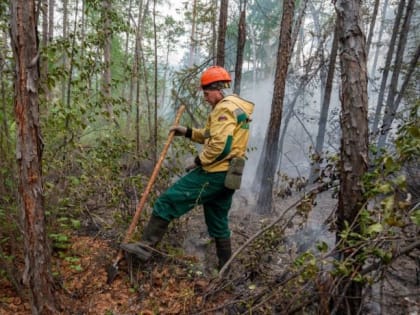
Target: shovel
[112, 270]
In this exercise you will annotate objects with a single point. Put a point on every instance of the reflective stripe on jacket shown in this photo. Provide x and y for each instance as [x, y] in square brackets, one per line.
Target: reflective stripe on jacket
[226, 133]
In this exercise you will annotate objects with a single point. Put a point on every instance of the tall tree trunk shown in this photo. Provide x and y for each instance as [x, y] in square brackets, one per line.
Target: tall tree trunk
[221, 34]
[106, 76]
[323, 118]
[24, 40]
[372, 26]
[44, 59]
[354, 127]
[298, 24]
[390, 110]
[240, 48]
[253, 41]
[214, 30]
[193, 44]
[155, 127]
[51, 8]
[64, 57]
[387, 66]
[69, 81]
[269, 156]
[412, 66]
[378, 45]
[4, 131]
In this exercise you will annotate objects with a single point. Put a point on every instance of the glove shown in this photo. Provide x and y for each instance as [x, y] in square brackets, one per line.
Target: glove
[179, 130]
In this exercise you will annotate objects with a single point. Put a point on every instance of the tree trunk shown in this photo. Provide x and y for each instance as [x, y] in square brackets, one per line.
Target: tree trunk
[106, 76]
[220, 57]
[240, 48]
[412, 66]
[387, 66]
[64, 59]
[191, 58]
[4, 130]
[390, 110]
[354, 127]
[155, 107]
[269, 156]
[378, 45]
[372, 26]
[298, 24]
[44, 59]
[51, 8]
[323, 118]
[24, 40]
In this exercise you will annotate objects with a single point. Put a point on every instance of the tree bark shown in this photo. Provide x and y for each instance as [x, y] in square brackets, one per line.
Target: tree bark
[390, 109]
[24, 40]
[220, 57]
[269, 156]
[354, 126]
[240, 48]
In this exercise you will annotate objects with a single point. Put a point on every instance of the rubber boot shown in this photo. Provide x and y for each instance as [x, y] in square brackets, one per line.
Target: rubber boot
[223, 251]
[152, 234]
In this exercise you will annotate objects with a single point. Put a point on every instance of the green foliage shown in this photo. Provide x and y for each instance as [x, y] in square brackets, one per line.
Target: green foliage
[389, 211]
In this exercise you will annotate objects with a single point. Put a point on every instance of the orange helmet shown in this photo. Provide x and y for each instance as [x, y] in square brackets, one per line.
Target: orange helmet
[215, 74]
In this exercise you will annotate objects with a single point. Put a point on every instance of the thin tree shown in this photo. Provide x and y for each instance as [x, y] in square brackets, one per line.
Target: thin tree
[354, 141]
[155, 85]
[372, 26]
[106, 75]
[411, 67]
[240, 47]
[221, 34]
[193, 43]
[269, 155]
[381, 32]
[387, 66]
[390, 109]
[24, 40]
[323, 117]
[51, 7]
[44, 59]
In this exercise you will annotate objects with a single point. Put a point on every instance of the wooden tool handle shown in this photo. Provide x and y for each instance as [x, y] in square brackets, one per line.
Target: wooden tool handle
[152, 179]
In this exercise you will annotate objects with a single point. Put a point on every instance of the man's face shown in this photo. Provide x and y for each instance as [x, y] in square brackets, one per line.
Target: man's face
[212, 96]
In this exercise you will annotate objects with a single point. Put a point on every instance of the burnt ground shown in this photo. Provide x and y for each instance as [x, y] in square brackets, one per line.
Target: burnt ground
[182, 279]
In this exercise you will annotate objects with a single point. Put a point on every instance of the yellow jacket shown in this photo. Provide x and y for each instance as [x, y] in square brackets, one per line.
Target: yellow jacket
[226, 133]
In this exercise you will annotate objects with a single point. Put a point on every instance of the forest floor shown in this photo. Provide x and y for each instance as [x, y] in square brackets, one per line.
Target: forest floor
[183, 280]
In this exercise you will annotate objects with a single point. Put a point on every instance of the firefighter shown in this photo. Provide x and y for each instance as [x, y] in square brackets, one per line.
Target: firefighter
[215, 174]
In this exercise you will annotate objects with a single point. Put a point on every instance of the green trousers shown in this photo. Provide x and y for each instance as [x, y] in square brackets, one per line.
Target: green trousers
[198, 188]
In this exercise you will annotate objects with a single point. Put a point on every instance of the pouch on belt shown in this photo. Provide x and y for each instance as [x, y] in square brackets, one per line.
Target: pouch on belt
[234, 173]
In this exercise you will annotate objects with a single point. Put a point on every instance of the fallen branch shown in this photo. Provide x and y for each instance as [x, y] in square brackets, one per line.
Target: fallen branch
[403, 251]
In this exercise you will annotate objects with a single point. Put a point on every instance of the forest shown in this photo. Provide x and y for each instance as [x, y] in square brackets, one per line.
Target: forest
[327, 219]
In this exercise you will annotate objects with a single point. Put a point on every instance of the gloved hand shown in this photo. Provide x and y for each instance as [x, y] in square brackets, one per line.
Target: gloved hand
[179, 130]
